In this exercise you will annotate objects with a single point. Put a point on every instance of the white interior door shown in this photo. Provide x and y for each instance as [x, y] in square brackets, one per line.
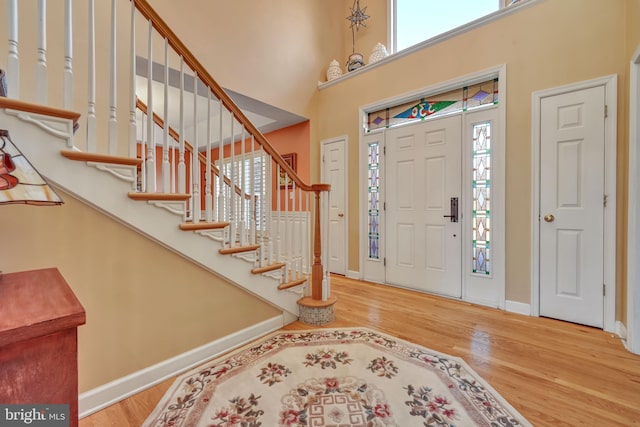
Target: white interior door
[422, 176]
[334, 173]
[572, 206]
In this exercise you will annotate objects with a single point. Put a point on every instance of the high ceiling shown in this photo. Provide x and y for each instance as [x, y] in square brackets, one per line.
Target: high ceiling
[201, 114]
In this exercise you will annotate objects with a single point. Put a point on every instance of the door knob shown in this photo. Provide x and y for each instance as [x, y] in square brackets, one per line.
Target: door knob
[340, 215]
[549, 218]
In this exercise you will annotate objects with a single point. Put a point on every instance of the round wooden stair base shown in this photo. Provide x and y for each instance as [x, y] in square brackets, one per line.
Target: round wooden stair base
[315, 312]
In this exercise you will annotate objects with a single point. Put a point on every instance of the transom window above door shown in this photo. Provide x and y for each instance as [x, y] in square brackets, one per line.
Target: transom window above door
[464, 98]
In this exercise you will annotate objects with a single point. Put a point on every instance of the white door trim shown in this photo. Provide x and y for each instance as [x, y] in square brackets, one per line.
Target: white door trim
[633, 236]
[323, 144]
[610, 84]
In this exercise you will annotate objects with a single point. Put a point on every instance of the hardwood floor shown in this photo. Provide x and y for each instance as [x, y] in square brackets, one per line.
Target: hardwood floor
[554, 373]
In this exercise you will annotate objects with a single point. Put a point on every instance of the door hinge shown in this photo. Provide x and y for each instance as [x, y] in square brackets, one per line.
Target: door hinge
[606, 111]
[323, 158]
[604, 200]
[604, 290]
[384, 150]
[384, 261]
[384, 206]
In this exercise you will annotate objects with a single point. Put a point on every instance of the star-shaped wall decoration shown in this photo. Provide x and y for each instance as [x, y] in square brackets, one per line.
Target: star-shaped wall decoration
[358, 16]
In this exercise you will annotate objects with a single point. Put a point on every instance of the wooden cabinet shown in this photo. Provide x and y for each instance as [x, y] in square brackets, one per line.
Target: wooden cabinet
[39, 316]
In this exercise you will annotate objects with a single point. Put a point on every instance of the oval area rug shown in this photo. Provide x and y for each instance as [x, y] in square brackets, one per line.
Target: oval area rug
[333, 378]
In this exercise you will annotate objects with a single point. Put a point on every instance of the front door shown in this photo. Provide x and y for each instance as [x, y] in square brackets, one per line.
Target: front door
[572, 203]
[423, 177]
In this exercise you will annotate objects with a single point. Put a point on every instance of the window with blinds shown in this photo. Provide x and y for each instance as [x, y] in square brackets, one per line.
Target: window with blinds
[248, 173]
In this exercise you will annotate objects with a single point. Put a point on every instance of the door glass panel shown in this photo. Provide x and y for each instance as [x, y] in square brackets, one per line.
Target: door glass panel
[373, 193]
[481, 193]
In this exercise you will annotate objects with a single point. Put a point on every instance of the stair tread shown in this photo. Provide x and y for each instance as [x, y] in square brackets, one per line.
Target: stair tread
[203, 225]
[239, 249]
[17, 104]
[159, 196]
[101, 158]
[292, 283]
[267, 268]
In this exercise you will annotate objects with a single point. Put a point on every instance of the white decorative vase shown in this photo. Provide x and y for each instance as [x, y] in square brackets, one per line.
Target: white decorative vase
[379, 52]
[334, 71]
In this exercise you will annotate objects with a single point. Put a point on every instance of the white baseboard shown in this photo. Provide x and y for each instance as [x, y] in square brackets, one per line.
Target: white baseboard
[518, 307]
[117, 390]
[351, 274]
[621, 330]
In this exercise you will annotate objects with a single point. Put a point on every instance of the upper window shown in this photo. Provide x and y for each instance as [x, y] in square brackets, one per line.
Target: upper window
[415, 21]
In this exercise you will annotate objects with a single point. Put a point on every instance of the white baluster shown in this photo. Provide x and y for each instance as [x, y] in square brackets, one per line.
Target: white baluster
[300, 233]
[287, 222]
[151, 140]
[268, 207]
[208, 198]
[166, 166]
[243, 211]
[254, 193]
[182, 167]
[221, 198]
[195, 161]
[41, 67]
[294, 230]
[143, 168]
[113, 97]
[68, 56]
[13, 61]
[307, 237]
[232, 189]
[173, 149]
[91, 107]
[278, 212]
[132, 86]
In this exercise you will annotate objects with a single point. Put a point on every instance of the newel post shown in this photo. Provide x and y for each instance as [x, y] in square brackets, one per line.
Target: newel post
[315, 310]
[317, 271]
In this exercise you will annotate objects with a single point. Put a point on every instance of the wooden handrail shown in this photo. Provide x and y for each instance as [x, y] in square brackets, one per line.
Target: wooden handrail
[163, 29]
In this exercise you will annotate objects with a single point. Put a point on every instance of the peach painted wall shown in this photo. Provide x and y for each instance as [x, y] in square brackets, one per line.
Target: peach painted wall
[292, 139]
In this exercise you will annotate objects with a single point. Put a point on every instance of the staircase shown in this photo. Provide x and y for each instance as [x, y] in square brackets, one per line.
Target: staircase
[181, 164]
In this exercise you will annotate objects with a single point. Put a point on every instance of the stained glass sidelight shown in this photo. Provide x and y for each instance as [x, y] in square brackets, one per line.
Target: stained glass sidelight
[373, 193]
[481, 193]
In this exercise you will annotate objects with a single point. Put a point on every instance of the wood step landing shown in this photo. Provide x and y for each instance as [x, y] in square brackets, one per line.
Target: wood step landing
[203, 225]
[238, 249]
[171, 197]
[292, 284]
[267, 268]
[100, 158]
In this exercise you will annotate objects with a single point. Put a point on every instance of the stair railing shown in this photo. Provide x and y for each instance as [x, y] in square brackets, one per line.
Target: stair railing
[157, 67]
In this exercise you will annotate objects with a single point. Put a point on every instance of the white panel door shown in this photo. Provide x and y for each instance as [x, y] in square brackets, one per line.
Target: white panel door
[334, 174]
[422, 176]
[572, 206]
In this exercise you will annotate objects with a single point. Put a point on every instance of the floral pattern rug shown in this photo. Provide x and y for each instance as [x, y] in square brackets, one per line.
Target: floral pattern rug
[333, 378]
